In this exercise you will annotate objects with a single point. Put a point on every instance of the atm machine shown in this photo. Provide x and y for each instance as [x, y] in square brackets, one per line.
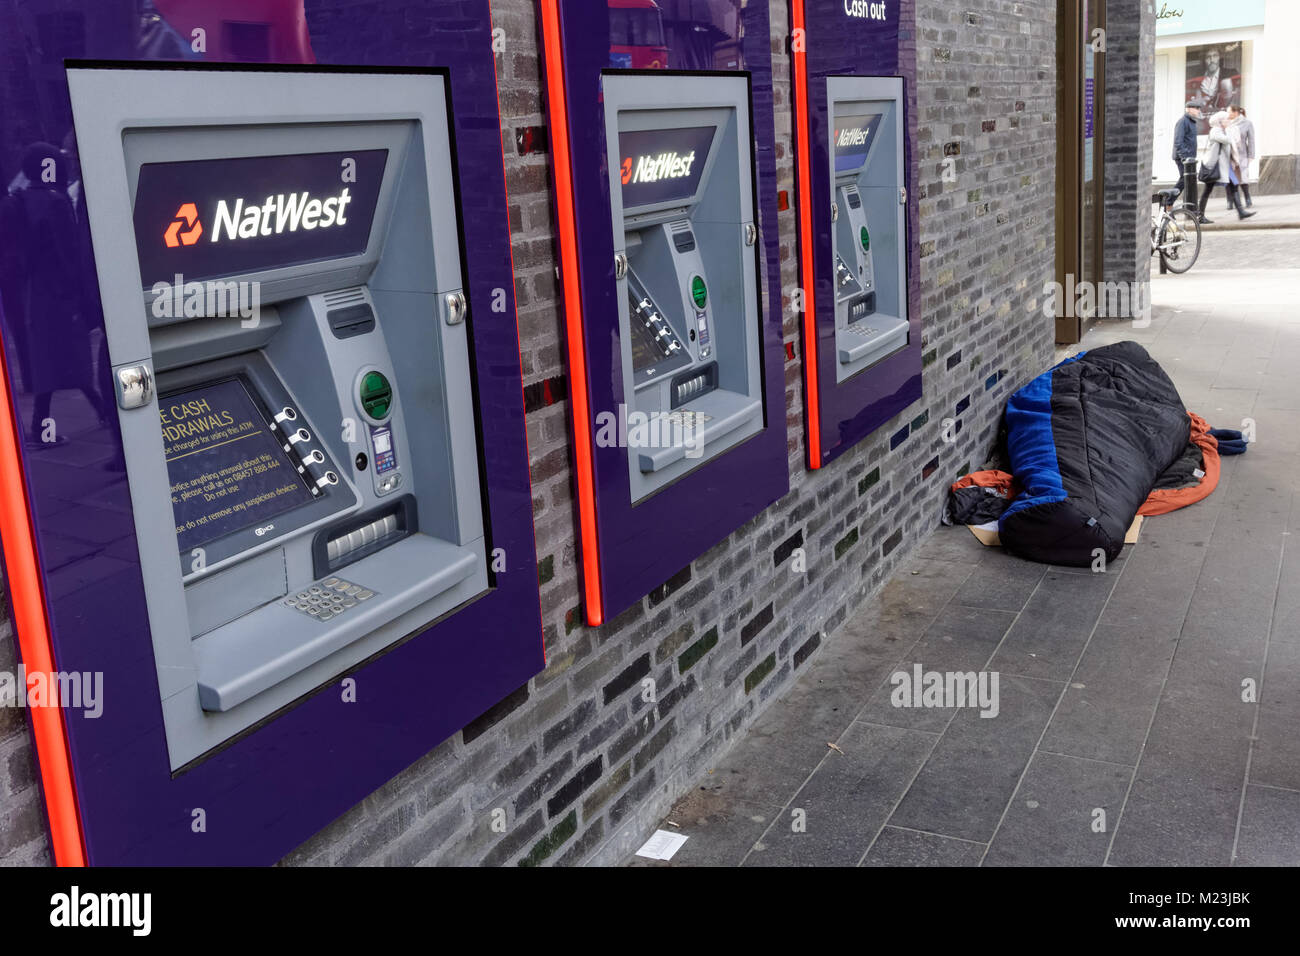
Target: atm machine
[669, 265]
[682, 202]
[289, 349]
[867, 223]
[858, 266]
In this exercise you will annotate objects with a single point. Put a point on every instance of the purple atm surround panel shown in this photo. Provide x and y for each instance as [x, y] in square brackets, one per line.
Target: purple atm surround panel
[641, 547]
[838, 44]
[277, 785]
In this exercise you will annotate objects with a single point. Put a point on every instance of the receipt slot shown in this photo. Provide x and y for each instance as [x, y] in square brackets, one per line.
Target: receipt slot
[869, 223]
[684, 231]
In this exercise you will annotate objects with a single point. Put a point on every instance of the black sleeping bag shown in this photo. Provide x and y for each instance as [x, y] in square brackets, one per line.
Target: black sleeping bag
[1087, 442]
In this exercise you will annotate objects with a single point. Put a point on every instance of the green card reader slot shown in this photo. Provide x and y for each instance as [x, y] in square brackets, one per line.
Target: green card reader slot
[376, 395]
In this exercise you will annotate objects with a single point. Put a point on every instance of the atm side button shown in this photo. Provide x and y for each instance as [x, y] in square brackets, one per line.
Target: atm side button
[364, 595]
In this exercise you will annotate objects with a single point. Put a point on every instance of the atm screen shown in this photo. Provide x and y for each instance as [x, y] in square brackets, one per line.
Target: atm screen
[853, 138]
[663, 165]
[648, 348]
[227, 470]
[209, 218]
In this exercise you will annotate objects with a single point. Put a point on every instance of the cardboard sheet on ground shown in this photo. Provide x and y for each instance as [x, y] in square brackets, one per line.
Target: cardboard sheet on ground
[987, 533]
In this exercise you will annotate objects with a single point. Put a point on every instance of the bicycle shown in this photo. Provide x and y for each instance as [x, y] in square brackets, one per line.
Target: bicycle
[1175, 233]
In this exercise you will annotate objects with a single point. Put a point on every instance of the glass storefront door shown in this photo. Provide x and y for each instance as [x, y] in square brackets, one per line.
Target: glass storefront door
[1080, 172]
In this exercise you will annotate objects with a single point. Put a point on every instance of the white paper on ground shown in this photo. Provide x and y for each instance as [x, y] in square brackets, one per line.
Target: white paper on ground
[662, 845]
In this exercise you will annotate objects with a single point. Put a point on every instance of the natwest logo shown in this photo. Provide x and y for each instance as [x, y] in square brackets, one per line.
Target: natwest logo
[279, 214]
[187, 216]
[651, 169]
[855, 136]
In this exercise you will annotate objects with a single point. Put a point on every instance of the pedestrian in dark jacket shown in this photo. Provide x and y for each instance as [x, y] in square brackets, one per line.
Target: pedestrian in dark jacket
[1185, 139]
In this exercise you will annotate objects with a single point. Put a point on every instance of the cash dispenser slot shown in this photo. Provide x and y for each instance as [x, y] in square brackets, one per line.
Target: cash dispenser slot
[349, 541]
[870, 318]
[316, 487]
[694, 384]
[689, 304]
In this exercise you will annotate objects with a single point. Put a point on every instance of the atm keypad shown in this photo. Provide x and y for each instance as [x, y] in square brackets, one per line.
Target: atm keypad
[328, 598]
[685, 418]
[862, 330]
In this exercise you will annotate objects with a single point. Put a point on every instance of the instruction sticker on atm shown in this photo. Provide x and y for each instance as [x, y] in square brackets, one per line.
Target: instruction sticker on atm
[662, 165]
[227, 470]
[209, 218]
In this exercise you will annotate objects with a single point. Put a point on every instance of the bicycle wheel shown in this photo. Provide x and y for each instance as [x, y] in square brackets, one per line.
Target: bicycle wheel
[1180, 240]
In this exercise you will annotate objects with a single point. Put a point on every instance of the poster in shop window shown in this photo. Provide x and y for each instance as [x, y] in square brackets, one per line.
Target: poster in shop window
[1214, 79]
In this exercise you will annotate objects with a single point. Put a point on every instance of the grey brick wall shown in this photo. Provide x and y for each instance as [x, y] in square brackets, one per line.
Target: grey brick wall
[22, 814]
[577, 766]
[1130, 129]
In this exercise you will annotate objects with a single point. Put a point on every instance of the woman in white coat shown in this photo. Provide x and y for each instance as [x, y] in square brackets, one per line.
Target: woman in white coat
[1224, 155]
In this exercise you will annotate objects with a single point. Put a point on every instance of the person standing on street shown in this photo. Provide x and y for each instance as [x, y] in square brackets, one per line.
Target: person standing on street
[1185, 140]
[1246, 133]
[1223, 161]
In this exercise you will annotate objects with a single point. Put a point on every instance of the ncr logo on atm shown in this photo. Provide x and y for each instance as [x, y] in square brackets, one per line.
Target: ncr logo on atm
[238, 219]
